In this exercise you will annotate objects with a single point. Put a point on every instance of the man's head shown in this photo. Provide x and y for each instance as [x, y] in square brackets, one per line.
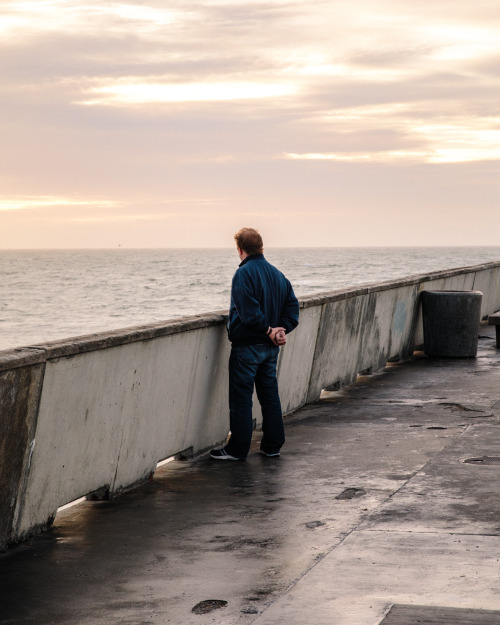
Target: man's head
[249, 241]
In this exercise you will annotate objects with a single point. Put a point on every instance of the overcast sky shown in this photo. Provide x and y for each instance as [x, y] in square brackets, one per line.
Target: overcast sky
[321, 123]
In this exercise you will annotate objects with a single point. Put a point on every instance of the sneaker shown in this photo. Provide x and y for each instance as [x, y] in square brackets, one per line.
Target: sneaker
[273, 454]
[221, 454]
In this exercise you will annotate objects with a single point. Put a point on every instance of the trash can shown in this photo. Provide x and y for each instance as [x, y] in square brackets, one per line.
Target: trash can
[451, 322]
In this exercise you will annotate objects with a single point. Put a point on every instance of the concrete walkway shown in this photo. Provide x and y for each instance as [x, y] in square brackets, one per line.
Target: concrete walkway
[372, 514]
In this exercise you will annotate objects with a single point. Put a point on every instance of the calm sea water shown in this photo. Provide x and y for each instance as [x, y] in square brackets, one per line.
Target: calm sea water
[47, 295]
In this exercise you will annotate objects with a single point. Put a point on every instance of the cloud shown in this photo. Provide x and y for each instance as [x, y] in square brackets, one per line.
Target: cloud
[133, 92]
[33, 202]
[271, 106]
[108, 219]
[414, 131]
[55, 16]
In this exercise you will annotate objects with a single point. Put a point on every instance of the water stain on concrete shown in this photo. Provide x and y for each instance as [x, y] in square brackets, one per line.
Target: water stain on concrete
[237, 543]
[314, 524]
[209, 605]
[351, 493]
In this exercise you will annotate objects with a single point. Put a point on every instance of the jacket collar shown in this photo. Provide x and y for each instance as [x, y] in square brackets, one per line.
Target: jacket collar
[252, 257]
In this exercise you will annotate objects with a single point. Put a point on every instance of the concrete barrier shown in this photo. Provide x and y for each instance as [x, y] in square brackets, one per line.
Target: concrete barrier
[360, 333]
[96, 413]
[20, 388]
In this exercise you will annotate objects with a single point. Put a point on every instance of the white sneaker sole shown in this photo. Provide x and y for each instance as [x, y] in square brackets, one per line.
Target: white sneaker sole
[224, 457]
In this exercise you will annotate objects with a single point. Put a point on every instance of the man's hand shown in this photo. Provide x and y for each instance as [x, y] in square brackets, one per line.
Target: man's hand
[278, 336]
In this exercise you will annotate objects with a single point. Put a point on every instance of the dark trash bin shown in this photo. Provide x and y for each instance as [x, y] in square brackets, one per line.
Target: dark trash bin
[451, 322]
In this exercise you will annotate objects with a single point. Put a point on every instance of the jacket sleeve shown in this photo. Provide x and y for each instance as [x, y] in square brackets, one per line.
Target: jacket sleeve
[247, 306]
[290, 313]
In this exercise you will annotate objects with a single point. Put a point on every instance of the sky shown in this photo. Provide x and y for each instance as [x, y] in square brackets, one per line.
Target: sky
[148, 123]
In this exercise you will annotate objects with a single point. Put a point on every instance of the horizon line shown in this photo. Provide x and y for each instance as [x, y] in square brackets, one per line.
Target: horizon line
[273, 247]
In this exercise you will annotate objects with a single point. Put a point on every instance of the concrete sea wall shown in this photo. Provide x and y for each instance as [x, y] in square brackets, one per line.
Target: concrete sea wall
[95, 414]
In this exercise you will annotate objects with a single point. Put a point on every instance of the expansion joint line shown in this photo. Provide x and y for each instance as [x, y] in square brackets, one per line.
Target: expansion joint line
[362, 520]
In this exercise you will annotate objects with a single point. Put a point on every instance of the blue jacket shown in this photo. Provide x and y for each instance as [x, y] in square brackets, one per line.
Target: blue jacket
[261, 296]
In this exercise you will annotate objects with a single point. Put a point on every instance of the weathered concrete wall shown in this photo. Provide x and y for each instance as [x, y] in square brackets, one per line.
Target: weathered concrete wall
[97, 413]
[361, 332]
[488, 282]
[107, 417]
[20, 387]
[296, 360]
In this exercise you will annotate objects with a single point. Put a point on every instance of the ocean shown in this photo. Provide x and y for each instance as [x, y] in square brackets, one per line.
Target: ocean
[54, 294]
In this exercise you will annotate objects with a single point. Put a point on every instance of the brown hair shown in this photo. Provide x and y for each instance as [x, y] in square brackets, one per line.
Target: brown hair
[249, 240]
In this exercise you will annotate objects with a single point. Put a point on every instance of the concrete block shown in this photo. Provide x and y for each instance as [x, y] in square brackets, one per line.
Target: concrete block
[181, 402]
[77, 436]
[387, 327]
[296, 360]
[403, 323]
[107, 417]
[361, 333]
[488, 282]
[19, 398]
[336, 357]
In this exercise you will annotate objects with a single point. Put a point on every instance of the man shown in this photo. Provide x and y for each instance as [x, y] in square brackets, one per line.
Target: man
[263, 310]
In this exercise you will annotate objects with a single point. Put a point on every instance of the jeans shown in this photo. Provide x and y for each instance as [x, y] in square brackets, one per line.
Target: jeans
[251, 365]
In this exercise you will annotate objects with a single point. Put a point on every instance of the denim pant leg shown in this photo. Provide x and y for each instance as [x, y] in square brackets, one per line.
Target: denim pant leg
[243, 365]
[266, 386]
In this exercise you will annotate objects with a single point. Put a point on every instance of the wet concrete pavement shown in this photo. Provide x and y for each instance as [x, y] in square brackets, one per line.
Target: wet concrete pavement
[386, 494]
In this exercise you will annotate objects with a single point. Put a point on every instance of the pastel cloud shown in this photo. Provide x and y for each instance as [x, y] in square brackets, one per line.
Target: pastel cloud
[243, 103]
[33, 202]
[143, 93]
